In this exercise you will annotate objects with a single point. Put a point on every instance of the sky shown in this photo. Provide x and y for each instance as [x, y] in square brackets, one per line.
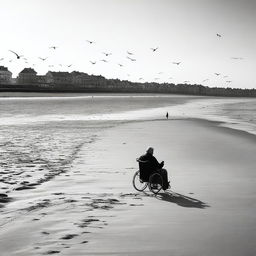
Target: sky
[184, 31]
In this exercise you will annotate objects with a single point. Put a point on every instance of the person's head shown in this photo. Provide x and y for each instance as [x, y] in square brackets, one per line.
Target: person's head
[150, 151]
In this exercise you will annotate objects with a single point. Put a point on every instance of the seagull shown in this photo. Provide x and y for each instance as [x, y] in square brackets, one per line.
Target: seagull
[107, 54]
[130, 53]
[53, 47]
[17, 55]
[176, 63]
[43, 59]
[154, 49]
[237, 58]
[93, 62]
[131, 58]
[90, 42]
[217, 74]
[104, 60]
[218, 35]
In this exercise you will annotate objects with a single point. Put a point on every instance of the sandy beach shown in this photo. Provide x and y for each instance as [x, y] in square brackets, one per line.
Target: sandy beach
[92, 209]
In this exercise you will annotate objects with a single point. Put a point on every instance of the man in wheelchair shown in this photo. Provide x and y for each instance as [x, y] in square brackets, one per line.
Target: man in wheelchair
[148, 165]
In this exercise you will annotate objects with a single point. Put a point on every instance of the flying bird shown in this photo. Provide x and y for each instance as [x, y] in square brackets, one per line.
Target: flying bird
[53, 47]
[170, 78]
[104, 60]
[130, 53]
[140, 78]
[218, 35]
[217, 74]
[131, 58]
[17, 55]
[107, 53]
[237, 58]
[205, 80]
[225, 76]
[154, 49]
[156, 78]
[69, 65]
[43, 59]
[120, 65]
[90, 42]
[176, 63]
[93, 62]
[186, 82]
[228, 81]
[1, 59]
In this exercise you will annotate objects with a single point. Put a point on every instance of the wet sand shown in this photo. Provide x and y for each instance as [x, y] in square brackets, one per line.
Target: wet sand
[92, 209]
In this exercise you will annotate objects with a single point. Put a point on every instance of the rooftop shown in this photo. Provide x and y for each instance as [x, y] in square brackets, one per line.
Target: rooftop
[58, 74]
[2, 68]
[28, 70]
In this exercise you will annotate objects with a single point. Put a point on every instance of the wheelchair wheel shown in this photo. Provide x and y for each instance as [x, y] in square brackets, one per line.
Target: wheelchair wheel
[155, 183]
[138, 183]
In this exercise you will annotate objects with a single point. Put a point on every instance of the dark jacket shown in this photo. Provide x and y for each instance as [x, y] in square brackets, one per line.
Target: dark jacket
[148, 166]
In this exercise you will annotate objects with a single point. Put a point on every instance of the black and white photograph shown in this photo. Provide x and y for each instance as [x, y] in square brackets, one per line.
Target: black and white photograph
[128, 127]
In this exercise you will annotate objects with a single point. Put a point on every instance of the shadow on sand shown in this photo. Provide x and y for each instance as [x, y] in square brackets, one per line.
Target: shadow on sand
[181, 200]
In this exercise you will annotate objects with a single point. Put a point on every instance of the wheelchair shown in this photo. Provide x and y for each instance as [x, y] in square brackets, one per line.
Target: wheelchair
[141, 180]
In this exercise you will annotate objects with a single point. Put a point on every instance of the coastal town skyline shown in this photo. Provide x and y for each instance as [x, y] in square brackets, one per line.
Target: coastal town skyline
[195, 42]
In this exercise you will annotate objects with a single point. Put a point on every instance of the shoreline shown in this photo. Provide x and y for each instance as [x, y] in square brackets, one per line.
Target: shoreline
[63, 93]
[179, 106]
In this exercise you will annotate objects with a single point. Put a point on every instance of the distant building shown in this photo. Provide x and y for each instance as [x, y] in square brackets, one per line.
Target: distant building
[27, 76]
[83, 80]
[58, 78]
[5, 75]
[42, 82]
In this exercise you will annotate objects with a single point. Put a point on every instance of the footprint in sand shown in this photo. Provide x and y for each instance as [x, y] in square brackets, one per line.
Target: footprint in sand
[51, 252]
[69, 236]
[45, 233]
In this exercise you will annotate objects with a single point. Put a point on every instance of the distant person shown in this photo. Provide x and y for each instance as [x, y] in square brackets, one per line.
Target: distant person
[167, 115]
[154, 166]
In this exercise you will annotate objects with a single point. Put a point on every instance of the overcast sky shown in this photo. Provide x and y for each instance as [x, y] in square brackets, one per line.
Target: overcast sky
[183, 30]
